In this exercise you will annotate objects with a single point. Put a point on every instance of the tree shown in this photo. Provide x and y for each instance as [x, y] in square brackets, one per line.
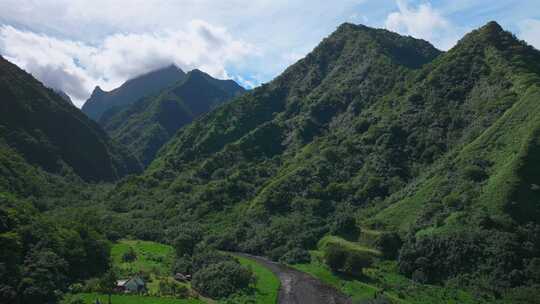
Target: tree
[222, 279]
[334, 257]
[389, 244]
[344, 225]
[129, 256]
[355, 262]
[341, 259]
[43, 277]
[185, 242]
[107, 283]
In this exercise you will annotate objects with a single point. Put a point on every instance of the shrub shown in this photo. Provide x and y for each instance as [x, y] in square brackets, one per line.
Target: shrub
[341, 259]
[475, 173]
[76, 288]
[222, 279]
[355, 262]
[91, 285]
[182, 265]
[204, 257]
[171, 288]
[296, 256]
[71, 299]
[389, 244]
[129, 256]
[185, 243]
[344, 225]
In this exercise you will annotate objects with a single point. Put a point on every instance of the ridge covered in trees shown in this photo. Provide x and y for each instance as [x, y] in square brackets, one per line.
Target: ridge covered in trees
[436, 146]
[370, 131]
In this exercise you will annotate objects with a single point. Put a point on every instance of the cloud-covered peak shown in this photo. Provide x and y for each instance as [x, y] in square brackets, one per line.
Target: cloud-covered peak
[76, 67]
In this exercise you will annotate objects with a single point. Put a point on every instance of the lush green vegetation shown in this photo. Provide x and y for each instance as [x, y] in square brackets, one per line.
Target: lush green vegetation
[438, 148]
[90, 298]
[40, 257]
[102, 104]
[379, 277]
[265, 289]
[150, 257]
[39, 125]
[144, 126]
[434, 155]
[214, 273]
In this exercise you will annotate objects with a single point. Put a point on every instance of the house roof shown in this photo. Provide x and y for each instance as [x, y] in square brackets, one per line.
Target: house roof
[136, 280]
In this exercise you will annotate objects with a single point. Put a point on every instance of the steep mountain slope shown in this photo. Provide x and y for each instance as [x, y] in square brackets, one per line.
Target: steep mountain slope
[149, 123]
[131, 91]
[64, 96]
[231, 159]
[438, 147]
[39, 128]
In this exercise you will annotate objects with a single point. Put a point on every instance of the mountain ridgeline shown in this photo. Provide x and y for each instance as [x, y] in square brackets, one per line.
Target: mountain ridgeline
[371, 134]
[439, 147]
[131, 91]
[147, 124]
[39, 128]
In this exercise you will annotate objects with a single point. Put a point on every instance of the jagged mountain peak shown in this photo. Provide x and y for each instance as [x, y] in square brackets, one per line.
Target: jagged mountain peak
[97, 91]
[132, 90]
[148, 123]
[491, 34]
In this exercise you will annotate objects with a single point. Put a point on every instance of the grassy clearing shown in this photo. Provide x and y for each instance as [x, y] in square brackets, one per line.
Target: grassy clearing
[384, 275]
[267, 286]
[90, 298]
[354, 288]
[352, 246]
[151, 257]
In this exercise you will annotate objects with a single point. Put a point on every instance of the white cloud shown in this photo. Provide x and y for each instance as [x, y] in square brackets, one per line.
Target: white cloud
[76, 67]
[105, 41]
[275, 27]
[529, 30]
[423, 22]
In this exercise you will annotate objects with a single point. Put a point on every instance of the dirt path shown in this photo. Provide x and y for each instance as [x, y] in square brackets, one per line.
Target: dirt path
[301, 288]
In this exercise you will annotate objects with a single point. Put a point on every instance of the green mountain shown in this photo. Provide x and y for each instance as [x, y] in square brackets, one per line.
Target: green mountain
[441, 148]
[149, 123]
[40, 131]
[131, 91]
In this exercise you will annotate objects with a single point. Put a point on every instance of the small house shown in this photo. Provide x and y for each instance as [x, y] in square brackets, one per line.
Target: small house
[132, 285]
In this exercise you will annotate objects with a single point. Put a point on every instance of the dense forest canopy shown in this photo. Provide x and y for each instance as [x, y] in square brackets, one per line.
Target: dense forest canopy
[371, 131]
[438, 147]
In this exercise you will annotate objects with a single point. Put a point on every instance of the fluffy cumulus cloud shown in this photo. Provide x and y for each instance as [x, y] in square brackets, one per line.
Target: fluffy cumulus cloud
[529, 30]
[423, 22]
[75, 67]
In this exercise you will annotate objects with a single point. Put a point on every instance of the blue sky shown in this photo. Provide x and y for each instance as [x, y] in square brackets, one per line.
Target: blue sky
[74, 45]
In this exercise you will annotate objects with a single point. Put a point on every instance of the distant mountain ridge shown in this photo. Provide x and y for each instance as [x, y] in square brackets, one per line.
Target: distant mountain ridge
[147, 124]
[131, 91]
[38, 127]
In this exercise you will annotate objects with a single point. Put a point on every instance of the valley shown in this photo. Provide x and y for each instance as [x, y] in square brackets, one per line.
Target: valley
[377, 169]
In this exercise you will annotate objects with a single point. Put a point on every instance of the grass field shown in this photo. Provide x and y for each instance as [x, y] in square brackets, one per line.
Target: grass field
[151, 257]
[354, 288]
[352, 246]
[90, 298]
[155, 259]
[384, 275]
[267, 287]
